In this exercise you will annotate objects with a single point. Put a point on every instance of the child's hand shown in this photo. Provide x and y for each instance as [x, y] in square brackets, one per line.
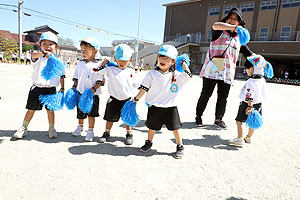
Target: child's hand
[135, 100]
[249, 110]
[62, 90]
[104, 62]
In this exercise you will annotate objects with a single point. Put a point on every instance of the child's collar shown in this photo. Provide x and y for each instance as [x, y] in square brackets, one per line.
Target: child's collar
[94, 61]
[171, 69]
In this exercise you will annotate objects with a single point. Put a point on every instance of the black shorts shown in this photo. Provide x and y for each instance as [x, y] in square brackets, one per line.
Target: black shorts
[157, 116]
[33, 101]
[241, 116]
[94, 112]
[113, 109]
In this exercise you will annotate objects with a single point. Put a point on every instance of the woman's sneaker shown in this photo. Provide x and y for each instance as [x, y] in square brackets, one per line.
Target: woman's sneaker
[147, 146]
[179, 151]
[52, 133]
[78, 131]
[20, 133]
[238, 142]
[198, 121]
[104, 137]
[220, 123]
[89, 136]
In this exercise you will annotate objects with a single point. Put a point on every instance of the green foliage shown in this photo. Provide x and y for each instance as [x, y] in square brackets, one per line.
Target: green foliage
[27, 47]
[8, 46]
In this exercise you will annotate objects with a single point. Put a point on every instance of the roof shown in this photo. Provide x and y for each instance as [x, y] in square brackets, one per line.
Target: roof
[180, 2]
[15, 37]
[107, 51]
[36, 29]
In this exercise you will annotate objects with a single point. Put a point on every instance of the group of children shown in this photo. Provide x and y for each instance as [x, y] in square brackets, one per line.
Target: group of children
[161, 85]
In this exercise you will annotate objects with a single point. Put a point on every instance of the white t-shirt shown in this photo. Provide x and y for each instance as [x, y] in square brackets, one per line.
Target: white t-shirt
[22, 56]
[86, 77]
[36, 77]
[159, 86]
[254, 89]
[121, 82]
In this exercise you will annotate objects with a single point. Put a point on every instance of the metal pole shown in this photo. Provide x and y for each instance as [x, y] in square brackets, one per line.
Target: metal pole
[138, 35]
[20, 26]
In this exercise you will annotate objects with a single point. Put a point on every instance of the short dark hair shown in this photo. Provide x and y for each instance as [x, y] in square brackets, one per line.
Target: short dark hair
[83, 43]
[248, 64]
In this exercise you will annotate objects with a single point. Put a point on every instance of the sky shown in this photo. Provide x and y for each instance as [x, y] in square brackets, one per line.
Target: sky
[118, 16]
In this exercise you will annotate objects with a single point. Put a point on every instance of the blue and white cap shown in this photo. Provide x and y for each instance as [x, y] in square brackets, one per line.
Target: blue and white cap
[168, 50]
[49, 36]
[92, 41]
[259, 63]
[123, 52]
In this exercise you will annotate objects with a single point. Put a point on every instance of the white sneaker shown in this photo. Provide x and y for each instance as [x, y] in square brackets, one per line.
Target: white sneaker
[52, 133]
[78, 131]
[247, 140]
[89, 136]
[238, 142]
[20, 133]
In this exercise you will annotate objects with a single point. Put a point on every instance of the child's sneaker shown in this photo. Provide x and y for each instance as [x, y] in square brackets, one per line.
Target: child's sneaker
[104, 137]
[247, 140]
[20, 133]
[147, 146]
[52, 133]
[179, 151]
[129, 139]
[238, 142]
[78, 131]
[89, 136]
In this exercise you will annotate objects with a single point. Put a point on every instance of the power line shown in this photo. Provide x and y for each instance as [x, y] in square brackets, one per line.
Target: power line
[72, 23]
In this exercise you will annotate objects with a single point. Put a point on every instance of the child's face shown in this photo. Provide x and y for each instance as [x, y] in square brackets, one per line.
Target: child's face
[249, 71]
[88, 53]
[233, 19]
[48, 46]
[123, 64]
[165, 62]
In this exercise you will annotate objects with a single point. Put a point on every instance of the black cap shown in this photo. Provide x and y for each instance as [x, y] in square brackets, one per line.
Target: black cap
[239, 14]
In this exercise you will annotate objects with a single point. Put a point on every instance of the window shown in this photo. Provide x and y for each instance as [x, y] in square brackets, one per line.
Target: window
[290, 3]
[268, 5]
[263, 34]
[285, 33]
[178, 36]
[213, 11]
[247, 7]
[209, 35]
[198, 38]
[226, 9]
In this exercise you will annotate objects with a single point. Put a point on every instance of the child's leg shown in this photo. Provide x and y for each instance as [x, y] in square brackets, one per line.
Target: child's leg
[108, 126]
[128, 129]
[81, 122]
[91, 122]
[106, 133]
[129, 137]
[28, 116]
[250, 132]
[177, 136]
[151, 134]
[239, 129]
[51, 118]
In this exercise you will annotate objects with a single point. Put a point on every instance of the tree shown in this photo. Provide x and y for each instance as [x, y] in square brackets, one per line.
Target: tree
[65, 41]
[27, 47]
[8, 46]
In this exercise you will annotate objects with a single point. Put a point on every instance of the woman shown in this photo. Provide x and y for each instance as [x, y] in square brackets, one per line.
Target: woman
[219, 66]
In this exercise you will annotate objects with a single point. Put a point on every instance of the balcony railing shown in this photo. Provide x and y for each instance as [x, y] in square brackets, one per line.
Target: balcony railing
[255, 36]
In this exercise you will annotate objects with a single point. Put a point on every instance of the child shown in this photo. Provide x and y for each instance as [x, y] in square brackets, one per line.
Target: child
[48, 44]
[251, 97]
[85, 79]
[162, 85]
[121, 84]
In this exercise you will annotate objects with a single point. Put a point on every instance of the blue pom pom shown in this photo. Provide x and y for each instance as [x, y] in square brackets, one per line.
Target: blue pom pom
[181, 58]
[86, 101]
[244, 35]
[110, 64]
[53, 101]
[129, 114]
[71, 98]
[53, 68]
[269, 71]
[254, 120]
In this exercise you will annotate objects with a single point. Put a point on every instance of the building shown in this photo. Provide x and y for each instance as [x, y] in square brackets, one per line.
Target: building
[274, 26]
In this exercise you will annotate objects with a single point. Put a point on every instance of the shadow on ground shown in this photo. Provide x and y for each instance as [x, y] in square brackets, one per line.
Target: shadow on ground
[110, 149]
[210, 141]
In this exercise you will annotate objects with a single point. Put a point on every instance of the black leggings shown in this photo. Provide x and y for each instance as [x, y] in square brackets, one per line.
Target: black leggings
[207, 90]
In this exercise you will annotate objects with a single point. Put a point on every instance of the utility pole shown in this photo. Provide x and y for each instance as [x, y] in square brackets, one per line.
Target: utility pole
[138, 35]
[20, 26]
